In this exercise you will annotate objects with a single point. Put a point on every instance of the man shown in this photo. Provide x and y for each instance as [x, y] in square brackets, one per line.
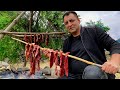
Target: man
[89, 43]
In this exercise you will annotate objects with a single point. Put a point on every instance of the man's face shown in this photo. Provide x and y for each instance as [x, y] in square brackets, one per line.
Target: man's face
[72, 23]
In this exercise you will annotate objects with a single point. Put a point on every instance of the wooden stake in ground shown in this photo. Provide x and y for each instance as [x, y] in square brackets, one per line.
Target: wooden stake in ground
[13, 23]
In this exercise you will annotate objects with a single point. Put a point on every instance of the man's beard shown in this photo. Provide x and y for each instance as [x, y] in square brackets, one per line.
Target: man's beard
[72, 30]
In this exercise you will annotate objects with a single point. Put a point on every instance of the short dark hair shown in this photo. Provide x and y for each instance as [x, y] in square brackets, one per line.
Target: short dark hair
[69, 12]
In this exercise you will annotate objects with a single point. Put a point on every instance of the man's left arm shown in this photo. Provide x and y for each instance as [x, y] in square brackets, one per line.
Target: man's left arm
[112, 65]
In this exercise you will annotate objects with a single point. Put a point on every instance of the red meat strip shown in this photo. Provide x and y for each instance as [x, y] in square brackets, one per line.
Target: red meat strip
[66, 63]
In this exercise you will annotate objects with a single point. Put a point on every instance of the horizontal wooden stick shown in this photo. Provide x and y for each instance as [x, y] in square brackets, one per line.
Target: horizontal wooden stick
[31, 33]
[21, 36]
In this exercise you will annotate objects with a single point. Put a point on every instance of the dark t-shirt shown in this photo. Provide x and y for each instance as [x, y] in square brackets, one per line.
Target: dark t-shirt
[77, 49]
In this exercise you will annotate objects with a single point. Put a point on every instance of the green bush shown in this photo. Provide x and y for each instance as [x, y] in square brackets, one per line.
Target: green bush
[10, 49]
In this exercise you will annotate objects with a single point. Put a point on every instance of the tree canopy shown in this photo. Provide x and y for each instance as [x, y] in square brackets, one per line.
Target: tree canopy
[99, 24]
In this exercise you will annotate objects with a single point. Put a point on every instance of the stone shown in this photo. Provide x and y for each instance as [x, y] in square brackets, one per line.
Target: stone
[3, 64]
[46, 70]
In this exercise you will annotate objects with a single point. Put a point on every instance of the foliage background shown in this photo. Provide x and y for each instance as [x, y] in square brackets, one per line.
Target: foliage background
[43, 21]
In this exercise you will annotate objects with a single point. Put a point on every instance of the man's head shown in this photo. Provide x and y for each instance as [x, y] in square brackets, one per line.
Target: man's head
[72, 22]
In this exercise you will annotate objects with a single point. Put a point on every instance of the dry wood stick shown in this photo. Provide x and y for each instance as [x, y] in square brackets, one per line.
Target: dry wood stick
[13, 23]
[29, 33]
[74, 57]
[21, 36]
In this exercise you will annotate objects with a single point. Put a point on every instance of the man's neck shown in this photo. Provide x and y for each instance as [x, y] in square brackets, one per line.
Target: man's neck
[76, 33]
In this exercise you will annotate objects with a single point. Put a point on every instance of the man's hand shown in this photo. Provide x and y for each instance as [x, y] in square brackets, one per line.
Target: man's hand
[112, 65]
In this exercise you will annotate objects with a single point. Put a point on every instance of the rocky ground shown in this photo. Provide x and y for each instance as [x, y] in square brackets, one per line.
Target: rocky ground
[17, 71]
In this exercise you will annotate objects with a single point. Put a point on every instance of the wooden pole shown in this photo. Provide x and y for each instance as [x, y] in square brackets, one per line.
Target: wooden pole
[13, 23]
[21, 36]
[31, 33]
[74, 57]
[31, 21]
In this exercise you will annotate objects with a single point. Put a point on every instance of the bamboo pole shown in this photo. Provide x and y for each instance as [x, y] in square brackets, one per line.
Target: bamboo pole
[13, 23]
[74, 57]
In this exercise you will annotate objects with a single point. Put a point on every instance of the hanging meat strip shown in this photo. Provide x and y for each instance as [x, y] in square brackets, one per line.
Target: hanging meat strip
[36, 59]
[37, 41]
[46, 39]
[31, 56]
[49, 53]
[51, 58]
[56, 57]
[32, 65]
[33, 53]
[31, 39]
[63, 64]
[35, 38]
[37, 56]
[66, 63]
[27, 53]
[42, 38]
[26, 38]
[56, 62]
[39, 38]
[62, 71]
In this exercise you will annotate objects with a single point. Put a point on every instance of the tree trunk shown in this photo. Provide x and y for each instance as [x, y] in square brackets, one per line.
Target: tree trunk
[31, 21]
